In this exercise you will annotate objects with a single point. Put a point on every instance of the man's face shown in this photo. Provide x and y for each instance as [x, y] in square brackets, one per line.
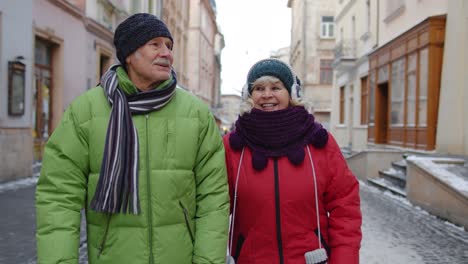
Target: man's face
[151, 64]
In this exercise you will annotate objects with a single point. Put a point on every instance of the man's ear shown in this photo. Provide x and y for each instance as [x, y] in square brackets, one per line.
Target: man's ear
[127, 60]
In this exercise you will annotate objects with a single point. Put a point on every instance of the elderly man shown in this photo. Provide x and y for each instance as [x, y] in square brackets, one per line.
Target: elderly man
[144, 158]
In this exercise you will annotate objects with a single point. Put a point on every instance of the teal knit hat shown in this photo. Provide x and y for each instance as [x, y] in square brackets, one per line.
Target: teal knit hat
[271, 67]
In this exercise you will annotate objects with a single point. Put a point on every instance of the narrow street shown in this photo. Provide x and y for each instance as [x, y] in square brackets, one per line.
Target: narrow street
[393, 231]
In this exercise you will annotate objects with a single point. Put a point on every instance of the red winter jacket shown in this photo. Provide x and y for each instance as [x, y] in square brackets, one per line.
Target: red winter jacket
[275, 219]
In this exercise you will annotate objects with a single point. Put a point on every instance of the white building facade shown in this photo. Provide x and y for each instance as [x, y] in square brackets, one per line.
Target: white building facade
[395, 79]
[311, 53]
[356, 24]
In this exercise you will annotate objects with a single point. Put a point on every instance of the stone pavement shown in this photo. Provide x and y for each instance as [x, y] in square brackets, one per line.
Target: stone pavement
[17, 226]
[394, 231]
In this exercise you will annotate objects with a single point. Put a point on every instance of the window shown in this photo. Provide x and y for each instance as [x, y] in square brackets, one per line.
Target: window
[342, 104]
[327, 27]
[364, 100]
[411, 99]
[423, 86]
[42, 105]
[372, 98]
[105, 15]
[398, 92]
[326, 72]
[383, 74]
[104, 63]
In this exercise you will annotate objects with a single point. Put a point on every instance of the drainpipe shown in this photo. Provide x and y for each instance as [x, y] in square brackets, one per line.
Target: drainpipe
[304, 46]
[377, 25]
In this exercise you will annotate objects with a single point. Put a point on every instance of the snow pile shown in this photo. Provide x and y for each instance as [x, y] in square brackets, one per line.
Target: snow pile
[18, 184]
[439, 167]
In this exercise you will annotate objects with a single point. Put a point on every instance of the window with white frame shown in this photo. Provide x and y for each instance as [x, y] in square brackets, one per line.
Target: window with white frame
[327, 27]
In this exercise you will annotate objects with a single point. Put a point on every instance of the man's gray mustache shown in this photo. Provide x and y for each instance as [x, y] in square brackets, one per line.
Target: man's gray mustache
[162, 61]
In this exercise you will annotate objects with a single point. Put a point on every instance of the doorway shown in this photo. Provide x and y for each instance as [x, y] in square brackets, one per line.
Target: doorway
[351, 116]
[381, 113]
[42, 103]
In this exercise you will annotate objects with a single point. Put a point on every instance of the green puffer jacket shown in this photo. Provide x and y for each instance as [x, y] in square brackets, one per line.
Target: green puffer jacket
[182, 188]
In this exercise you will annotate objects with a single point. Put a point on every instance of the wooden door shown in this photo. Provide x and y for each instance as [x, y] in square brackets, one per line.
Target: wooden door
[381, 118]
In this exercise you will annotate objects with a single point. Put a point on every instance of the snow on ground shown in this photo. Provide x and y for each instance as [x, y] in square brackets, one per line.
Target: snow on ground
[18, 184]
[392, 231]
[22, 183]
[402, 200]
[379, 246]
[440, 168]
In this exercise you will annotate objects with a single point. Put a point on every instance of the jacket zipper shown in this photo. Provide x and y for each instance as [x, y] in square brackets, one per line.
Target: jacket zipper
[104, 237]
[187, 223]
[278, 213]
[148, 189]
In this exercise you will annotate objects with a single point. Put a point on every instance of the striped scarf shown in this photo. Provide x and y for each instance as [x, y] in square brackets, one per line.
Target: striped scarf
[117, 188]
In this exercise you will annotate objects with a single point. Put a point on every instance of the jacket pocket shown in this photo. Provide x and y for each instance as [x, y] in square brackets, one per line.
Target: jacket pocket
[187, 221]
[102, 244]
[240, 242]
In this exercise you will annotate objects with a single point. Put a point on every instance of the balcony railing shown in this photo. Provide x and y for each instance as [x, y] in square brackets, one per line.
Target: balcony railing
[345, 49]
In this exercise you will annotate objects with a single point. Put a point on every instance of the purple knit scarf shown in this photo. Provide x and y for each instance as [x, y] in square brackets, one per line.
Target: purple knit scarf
[279, 133]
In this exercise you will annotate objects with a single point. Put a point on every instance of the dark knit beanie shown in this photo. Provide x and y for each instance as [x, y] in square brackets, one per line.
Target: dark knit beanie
[135, 31]
[271, 67]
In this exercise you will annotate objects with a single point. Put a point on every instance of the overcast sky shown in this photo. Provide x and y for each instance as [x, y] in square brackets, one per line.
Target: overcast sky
[251, 29]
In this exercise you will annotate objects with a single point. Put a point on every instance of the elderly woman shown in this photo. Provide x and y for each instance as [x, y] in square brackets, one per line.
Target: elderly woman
[293, 198]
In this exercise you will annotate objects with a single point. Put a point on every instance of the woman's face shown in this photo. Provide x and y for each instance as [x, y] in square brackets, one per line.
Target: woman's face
[270, 95]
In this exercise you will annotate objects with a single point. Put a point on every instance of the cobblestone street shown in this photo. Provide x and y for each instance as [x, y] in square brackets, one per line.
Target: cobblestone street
[393, 231]
[396, 232]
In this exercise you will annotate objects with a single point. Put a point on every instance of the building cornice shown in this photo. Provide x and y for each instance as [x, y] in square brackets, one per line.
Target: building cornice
[69, 8]
[425, 23]
[98, 29]
[90, 24]
[211, 12]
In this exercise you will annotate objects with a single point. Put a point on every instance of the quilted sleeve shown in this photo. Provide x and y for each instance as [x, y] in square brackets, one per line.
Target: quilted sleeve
[342, 202]
[60, 194]
[212, 214]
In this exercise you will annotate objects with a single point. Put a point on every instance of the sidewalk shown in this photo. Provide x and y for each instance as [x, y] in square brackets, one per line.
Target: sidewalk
[18, 223]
